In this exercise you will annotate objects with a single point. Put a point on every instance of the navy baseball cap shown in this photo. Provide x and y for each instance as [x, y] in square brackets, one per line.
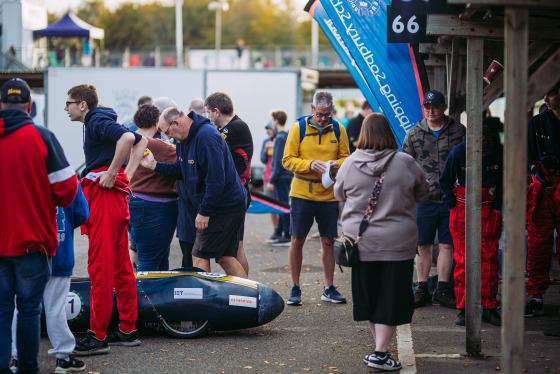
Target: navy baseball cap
[15, 91]
[435, 98]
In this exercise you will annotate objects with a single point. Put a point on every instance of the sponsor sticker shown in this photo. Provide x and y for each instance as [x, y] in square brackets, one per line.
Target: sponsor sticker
[187, 293]
[245, 301]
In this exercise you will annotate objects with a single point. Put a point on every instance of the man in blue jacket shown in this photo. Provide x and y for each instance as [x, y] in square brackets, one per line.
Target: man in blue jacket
[211, 186]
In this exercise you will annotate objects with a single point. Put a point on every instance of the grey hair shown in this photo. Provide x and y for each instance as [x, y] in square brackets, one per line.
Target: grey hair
[173, 114]
[197, 105]
[163, 103]
[323, 99]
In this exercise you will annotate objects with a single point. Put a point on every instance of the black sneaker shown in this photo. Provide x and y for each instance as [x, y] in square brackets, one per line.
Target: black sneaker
[63, 366]
[460, 319]
[274, 238]
[421, 297]
[444, 298]
[534, 308]
[90, 345]
[382, 362]
[282, 242]
[129, 339]
[492, 317]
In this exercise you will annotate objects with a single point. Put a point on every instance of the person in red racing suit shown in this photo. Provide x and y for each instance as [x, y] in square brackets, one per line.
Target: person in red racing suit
[452, 183]
[543, 198]
[105, 185]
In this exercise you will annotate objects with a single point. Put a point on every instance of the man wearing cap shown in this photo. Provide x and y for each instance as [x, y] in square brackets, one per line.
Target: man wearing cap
[107, 144]
[430, 142]
[36, 178]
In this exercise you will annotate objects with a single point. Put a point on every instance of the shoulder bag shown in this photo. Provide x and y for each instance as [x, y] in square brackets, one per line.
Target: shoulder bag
[346, 248]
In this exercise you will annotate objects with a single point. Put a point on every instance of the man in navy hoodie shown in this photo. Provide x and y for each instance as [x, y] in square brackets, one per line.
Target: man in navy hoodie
[211, 187]
[107, 145]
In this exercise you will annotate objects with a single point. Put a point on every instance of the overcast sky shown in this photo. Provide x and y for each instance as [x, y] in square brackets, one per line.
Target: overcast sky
[60, 6]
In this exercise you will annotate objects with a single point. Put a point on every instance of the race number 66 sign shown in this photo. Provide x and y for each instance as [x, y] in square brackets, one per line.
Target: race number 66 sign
[406, 28]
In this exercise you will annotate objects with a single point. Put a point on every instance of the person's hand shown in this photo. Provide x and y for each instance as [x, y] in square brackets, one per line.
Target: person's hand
[269, 187]
[269, 145]
[318, 166]
[107, 180]
[334, 166]
[148, 160]
[201, 222]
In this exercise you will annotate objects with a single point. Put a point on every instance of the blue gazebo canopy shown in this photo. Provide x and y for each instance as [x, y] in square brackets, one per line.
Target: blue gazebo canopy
[70, 26]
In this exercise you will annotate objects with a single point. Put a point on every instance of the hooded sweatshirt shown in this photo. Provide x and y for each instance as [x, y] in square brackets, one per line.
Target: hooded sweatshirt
[35, 177]
[101, 134]
[431, 152]
[392, 233]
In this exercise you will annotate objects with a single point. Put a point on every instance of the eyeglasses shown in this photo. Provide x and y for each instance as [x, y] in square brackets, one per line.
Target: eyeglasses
[324, 116]
[166, 132]
[72, 102]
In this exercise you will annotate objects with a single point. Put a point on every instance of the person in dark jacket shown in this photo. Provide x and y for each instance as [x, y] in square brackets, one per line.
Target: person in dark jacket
[36, 178]
[239, 140]
[211, 186]
[453, 185]
[280, 179]
[543, 198]
[355, 125]
[429, 143]
[107, 144]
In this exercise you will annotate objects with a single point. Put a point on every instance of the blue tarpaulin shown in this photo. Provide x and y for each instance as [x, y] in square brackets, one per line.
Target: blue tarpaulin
[70, 26]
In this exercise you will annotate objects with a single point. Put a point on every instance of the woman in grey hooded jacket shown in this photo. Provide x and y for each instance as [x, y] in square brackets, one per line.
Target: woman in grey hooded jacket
[382, 281]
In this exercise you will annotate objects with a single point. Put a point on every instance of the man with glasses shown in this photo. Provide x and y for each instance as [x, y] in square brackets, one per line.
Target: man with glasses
[314, 143]
[429, 143]
[543, 202]
[212, 188]
[107, 144]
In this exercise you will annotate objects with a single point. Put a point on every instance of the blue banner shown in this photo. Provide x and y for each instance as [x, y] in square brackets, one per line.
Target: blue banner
[385, 72]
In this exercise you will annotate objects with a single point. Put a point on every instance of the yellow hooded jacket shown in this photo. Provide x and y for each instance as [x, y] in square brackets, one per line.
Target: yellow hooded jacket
[299, 155]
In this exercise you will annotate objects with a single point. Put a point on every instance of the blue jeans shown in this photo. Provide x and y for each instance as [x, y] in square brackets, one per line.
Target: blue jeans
[24, 277]
[152, 226]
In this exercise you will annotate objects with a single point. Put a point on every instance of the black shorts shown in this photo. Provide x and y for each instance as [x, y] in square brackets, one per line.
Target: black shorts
[382, 292]
[221, 238]
[303, 212]
[430, 217]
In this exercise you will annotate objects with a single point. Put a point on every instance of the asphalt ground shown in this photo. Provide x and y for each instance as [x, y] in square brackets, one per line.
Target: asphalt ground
[317, 337]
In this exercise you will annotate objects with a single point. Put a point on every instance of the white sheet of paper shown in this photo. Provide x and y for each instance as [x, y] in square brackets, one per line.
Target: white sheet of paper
[327, 179]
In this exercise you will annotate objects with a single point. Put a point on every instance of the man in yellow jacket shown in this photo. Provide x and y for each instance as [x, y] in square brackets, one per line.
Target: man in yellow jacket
[314, 143]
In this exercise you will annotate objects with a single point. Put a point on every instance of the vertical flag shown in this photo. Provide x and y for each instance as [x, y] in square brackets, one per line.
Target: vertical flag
[386, 72]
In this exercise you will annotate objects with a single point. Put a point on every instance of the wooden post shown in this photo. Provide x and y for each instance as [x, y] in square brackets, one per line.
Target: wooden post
[515, 186]
[473, 209]
[439, 79]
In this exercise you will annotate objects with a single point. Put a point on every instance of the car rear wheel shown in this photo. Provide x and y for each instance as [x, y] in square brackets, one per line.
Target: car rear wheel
[185, 329]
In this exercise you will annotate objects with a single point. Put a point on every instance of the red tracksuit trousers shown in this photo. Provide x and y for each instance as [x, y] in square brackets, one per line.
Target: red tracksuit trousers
[491, 232]
[543, 216]
[108, 259]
